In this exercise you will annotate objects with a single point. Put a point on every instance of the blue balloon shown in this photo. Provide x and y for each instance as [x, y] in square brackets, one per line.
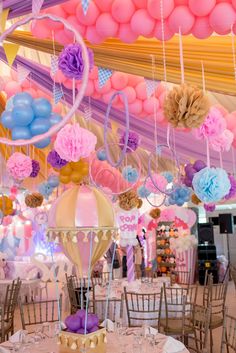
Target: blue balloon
[21, 133]
[23, 98]
[53, 181]
[43, 143]
[55, 119]
[9, 105]
[39, 126]
[42, 108]
[22, 114]
[7, 120]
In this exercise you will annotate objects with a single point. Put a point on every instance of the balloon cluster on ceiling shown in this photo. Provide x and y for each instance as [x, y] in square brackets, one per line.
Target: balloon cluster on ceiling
[128, 19]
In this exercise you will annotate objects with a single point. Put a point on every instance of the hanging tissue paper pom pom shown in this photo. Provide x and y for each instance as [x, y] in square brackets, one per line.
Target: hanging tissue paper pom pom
[168, 176]
[140, 203]
[160, 181]
[232, 191]
[143, 192]
[73, 143]
[133, 141]
[155, 213]
[210, 207]
[35, 169]
[222, 142]
[34, 200]
[71, 61]
[45, 189]
[211, 184]
[186, 106]
[180, 195]
[128, 200]
[55, 160]
[213, 125]
[130, 174]
[19, 166]
[195, 199]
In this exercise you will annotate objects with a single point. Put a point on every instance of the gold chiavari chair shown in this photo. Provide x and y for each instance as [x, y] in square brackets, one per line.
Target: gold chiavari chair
[233, 275]
[9, 306]
[215, 295]
[36, 313]
[113, 311]
[228, 341]
[142, 308]
[180, 277]
[77, 292]
[2, 334]
[104, 278]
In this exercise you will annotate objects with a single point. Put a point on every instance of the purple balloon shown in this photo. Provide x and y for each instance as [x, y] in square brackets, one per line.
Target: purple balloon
[90, 322]
[80, 331]
[81, 313]
[187, 181]
[73, 322]
[188, 168]
[93, 329]
[199, 165]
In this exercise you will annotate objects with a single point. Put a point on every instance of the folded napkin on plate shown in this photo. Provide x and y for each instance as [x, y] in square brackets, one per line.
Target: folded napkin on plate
[109, 325]
[172, 345]
[16, 337]
[150, 331]
[4, 350]
[63, 325]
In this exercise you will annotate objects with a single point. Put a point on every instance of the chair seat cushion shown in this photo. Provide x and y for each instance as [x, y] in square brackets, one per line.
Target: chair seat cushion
[175, 326]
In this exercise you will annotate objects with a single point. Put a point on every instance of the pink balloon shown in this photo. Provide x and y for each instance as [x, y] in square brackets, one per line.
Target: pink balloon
[168, 34]
[134, 80]
[136, 107]
[104, 89]
[150, 105]
[234, 143]
[181, 18]
[96, 95]
[141, 90]
[107, 97]
[91, 16]
[160, 117]
[32, 91]
[119, 80]
[104, 5]
[234, 4]
[192, 218]
[25, 83]
[59, 77]
[181, 2]
[74, 22]
[162, 98]
[223, 111]
[56, 11]
[142, 23]
[40, 29]
[201, 7]
[70, 36]
[125, 33]
[12, 88]
[130, 94]
[89, 89]
[57, 108]
[106, 26]
[231, 121]
[222, 18]
[154, 8]
[61, 37]
[201, 28]
[160, 89]
[69, 84]
[122, 10]
[93, 75]
[141, 4]
[93, 36]
[70, 6]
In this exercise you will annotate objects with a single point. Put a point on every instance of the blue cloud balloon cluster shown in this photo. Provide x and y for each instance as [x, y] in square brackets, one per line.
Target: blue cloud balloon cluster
[46, 188]
[180, 195]
[27, 117]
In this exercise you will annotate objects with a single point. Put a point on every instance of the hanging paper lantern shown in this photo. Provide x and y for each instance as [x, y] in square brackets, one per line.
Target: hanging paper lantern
[19, 166]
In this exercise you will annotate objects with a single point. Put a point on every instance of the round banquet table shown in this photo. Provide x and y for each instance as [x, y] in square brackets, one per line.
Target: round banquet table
[115, 344]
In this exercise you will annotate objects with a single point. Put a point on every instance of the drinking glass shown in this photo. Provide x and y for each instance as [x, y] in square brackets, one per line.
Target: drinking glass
[38, 336]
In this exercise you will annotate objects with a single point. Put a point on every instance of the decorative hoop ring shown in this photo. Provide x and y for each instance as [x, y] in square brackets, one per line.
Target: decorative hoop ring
[123, 153]
[54, 129]
[167, 193]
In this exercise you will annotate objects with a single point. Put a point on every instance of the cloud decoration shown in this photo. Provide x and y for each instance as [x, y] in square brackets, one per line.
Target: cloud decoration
[211, 184]
[180, 195]
[130, 174]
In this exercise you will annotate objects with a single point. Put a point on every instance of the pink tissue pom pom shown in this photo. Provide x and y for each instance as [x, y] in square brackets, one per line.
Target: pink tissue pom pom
[73, 142]
[213, 125]
[222, 142]
[19, 166]
[160, 181]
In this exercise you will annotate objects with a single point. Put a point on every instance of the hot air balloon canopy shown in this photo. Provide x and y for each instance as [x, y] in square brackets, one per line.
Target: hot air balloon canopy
[82, 218]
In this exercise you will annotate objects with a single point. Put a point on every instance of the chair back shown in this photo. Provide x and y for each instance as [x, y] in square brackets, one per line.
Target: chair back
[114, 310]
[2, 333]
[11, 299]
[192, 292]
[36, 313]
[103, 278]
[215, 295]
[147, 276]
[233, 274]
[77, 290]
[142, 307]
[180, 277]
[228, 341]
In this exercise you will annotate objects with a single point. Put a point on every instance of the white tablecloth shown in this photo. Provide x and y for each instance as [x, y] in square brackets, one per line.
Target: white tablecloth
[29, 288]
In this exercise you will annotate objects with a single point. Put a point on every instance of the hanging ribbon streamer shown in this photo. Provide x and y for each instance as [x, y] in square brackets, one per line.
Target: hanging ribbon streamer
[36, 6]
[109, 286]
[89, 278]
[204, 90]
[163, 40]
[208, 153]
[233, 51]
[221, 161]
[233, 159]
[168, 135]
[181, 53]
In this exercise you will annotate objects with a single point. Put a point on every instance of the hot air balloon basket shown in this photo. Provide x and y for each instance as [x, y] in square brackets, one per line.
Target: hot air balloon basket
[95, 342]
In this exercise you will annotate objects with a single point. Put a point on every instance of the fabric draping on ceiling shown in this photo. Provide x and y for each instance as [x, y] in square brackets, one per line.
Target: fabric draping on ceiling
[215, 53]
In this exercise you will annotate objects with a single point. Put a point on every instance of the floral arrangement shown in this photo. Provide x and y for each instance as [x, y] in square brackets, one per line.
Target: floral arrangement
[55, 160]
[73, 143]
[182, 243]
[71, 61]
[19, 166]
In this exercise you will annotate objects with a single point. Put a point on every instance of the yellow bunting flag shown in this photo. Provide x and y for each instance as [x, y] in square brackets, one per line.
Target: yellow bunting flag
[3, 19]
[114, 127]
[10, 51]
